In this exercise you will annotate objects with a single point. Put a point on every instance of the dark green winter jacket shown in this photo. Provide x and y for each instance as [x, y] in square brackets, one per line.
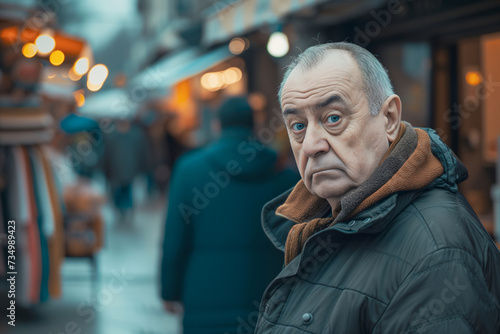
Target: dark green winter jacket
[216, 259]
[416, 261]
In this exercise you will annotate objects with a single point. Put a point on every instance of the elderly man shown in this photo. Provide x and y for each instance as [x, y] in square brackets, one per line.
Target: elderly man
[377, 238]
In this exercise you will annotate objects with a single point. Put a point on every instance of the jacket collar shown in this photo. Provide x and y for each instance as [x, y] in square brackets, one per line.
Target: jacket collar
[370, 214]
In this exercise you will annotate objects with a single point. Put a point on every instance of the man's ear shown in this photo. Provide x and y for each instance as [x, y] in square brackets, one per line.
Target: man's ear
[392, 113]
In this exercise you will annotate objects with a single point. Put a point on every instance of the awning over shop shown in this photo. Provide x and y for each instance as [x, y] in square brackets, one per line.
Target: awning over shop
[112, 103]
[242, 16]
[153, 77]
[158, 78]
[155, 81]
[199, 64]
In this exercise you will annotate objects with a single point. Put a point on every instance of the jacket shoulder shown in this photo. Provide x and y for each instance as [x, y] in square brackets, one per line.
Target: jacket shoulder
[450, 219]
[442, 219]
[447, 248]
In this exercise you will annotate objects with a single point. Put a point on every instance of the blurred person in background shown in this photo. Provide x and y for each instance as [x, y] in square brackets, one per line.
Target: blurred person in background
[216, 257]
[125, 158]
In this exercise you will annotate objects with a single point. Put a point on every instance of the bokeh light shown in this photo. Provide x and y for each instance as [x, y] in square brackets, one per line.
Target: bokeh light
[237, 45]
[29, 50]
[45, 44]
[56, 57]
[231, 75]
[96, 77]
[278, 46]
[473, 78]
[73, 75]
[81, 66]
[79, 98]
[212, 81]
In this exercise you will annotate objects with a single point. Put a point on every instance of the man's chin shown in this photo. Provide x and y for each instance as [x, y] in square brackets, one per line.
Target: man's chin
[328, 190]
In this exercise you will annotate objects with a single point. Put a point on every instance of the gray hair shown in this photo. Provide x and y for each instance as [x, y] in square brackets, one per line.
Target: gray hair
[376, 82]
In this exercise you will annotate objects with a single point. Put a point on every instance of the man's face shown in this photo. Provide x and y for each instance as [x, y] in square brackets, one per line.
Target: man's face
[337, 144]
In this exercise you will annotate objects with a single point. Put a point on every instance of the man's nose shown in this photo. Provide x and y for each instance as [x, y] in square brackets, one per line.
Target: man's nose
[315, 141]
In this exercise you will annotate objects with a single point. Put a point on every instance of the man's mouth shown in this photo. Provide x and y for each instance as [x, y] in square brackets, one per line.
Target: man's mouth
[325, 170]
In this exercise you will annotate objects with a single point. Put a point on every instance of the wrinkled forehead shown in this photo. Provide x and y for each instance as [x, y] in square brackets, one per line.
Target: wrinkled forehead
[336, 70]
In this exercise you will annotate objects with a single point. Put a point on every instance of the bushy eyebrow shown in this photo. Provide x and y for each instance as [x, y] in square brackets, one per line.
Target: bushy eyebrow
[330, 100]
[290, 111]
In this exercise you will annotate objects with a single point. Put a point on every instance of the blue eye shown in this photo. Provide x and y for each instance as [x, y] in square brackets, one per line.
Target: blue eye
[298, 126]
[333, 119]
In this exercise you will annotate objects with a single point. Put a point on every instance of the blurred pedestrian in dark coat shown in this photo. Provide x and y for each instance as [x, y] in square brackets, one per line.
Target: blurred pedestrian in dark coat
[125, 158]
[217, 260]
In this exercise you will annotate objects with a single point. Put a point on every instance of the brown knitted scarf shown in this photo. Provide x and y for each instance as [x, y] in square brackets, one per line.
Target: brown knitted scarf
[408, 165]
